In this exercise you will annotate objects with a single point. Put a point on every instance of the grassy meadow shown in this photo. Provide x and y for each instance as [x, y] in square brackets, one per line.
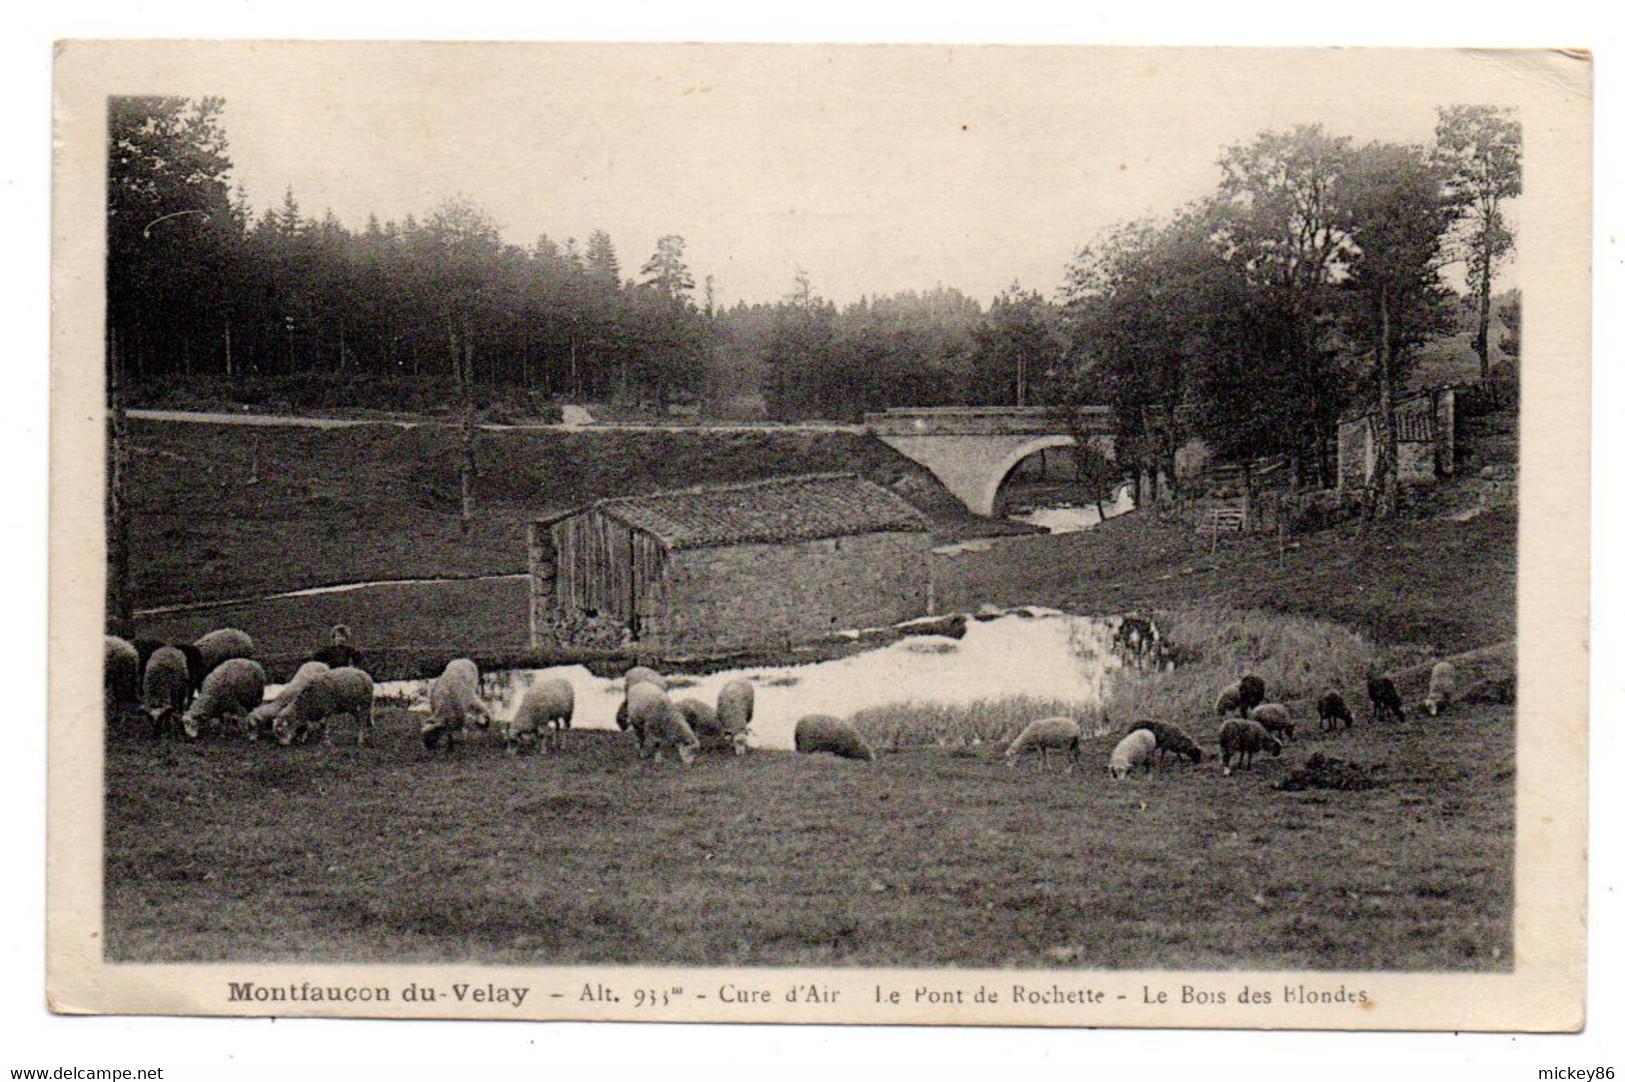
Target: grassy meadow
[229, 851]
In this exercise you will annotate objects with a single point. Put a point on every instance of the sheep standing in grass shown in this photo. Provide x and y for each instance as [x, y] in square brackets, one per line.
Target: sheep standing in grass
[1241, 739]
[1171, 740]
[1441, 689]
[1276, 720]
[1132, 752]
[166, 687]
[702, 719]
[330, 694]
[637, 674]
[232, 689]
[822, 733]
[222, 645]
[658, 723]
[1240, 697]
[1384, 698]
[1060, 735]
[454, 704]
[121, 676]
[546, 710]
[262, 717]
[736, 706]
[1334, 712]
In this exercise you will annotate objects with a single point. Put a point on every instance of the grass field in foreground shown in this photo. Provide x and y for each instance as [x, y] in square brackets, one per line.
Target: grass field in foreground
[226, 851]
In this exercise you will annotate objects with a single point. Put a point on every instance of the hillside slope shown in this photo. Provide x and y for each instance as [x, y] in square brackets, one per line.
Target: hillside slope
[223, 511]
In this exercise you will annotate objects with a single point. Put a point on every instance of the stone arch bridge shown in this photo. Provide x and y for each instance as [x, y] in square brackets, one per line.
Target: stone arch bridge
[972, 449]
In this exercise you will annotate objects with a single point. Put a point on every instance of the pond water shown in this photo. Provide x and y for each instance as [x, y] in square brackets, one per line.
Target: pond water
[1067, 518]
[1034, 652]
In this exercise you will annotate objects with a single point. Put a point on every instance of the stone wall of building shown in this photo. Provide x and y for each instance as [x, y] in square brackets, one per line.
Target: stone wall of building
[772, 594]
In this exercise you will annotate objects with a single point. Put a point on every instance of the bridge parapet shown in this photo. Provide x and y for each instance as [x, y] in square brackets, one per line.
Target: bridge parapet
[980, 421]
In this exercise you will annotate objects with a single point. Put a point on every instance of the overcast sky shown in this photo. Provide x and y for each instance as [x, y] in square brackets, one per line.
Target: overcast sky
[877, 169]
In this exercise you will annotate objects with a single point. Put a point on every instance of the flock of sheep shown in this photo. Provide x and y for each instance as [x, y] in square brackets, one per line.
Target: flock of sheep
[215, 680]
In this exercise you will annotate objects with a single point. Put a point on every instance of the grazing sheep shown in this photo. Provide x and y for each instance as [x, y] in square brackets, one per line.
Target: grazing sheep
[1334, 711]
[1384, 698]
[121, 676]
[547, 709]
[1252, 691]
[1134, 750]
[736, 706]
[1276, 720]
[264, 716]
[1171, 739]
[232, 689]
[658, 723]
[221, 645]
[329, 694]
[1441, 688]
[145, 648]
[642, 674]
[454, 704]
[166, 687]
[1061, 735]
[820, 732]
[1241, 739]
[704, 721]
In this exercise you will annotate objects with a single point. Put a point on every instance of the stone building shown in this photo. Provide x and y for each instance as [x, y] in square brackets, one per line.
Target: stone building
[764, 563]
[1427, 425]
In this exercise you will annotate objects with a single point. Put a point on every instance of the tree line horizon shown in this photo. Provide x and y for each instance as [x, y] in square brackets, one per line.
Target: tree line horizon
[1252, 318]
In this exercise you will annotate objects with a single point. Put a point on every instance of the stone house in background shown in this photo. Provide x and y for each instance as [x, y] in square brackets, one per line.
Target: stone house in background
[1427, 450]
[727, 567]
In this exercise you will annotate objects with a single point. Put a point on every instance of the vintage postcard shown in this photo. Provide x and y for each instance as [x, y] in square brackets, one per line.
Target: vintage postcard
[1044, 536]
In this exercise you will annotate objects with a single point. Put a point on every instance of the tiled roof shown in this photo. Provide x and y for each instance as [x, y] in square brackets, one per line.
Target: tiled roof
[779, 509]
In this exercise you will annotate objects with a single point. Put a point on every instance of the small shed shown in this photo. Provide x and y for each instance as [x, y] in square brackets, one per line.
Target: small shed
[763, 563]
[1426, 426]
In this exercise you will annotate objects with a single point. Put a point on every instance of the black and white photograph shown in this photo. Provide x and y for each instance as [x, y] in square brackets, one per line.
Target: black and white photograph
[922, 534]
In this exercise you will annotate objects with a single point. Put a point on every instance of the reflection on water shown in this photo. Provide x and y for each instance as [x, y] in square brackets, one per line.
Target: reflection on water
[1069, 519]
[1034, 652]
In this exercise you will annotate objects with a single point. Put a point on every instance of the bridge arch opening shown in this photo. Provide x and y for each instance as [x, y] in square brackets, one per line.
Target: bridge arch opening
[988, 501]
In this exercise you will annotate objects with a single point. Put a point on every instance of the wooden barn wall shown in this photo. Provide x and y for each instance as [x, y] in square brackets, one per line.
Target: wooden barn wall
[767, 595]
[605, 567]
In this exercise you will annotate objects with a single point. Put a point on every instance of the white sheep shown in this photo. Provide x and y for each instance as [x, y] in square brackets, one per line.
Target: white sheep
[736, 706]
[166, 687]
[121, 675]
[658, 723]
[1133, 751]
[222, 645]
[1441, 689]
[703, 720]
[230, 691]
[454, 703]
[822, 733]
[264, 716]
[642, 674]
[1060, 735]
[346, 690]
[547, 709]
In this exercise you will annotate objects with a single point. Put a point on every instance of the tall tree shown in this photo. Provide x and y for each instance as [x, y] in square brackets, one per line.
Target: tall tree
[1016, 349]
[1482, 146]
[1277, 221]
[1397, 210]
[666, 271]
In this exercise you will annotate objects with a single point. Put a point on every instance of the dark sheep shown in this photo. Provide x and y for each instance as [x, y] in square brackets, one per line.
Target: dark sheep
[338, 656]
[1334, 711]
[1172, 740]
[1241, 739]
[1384, 698]
[1252, 692]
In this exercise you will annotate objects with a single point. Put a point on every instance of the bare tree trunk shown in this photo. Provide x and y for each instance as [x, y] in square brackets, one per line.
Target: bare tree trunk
[464, 358]
[1385, 434]
[1481, 340]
